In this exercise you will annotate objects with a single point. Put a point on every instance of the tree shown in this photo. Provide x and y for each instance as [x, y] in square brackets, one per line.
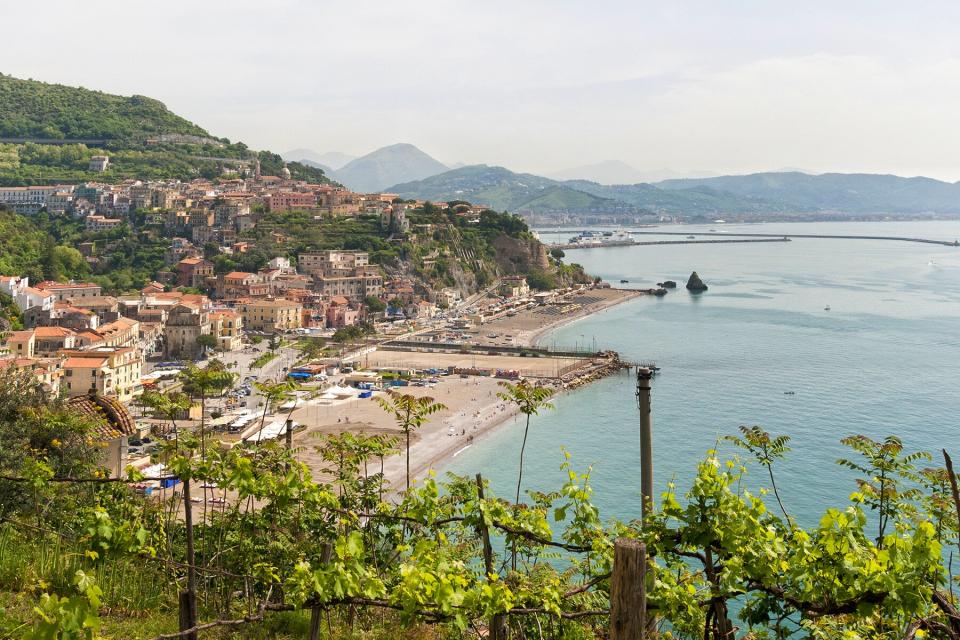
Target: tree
[214, 378]
[374, 304]
[273, 394]
[166, 406]
[530, 400]
[409, 412]
[207, 342]
[765, 449]
[557, 253]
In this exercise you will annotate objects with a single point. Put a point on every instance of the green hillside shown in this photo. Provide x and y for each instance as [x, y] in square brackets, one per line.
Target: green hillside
[855, 193]
[31, 109]
[691, 201]
[503, 189]
[134, 131]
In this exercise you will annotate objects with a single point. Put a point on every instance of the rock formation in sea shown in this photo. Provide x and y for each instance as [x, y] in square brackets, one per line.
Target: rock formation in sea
[667, 284]
[695, 284]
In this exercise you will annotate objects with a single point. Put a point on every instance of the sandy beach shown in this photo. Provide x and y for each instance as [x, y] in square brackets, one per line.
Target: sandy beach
[472, 406]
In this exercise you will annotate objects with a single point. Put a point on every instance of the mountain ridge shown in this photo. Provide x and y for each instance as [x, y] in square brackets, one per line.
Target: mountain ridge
[392, 164]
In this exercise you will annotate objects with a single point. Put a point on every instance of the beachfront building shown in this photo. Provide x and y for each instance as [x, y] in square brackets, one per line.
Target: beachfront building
[227, 326]
[514, 287]
[270, 316]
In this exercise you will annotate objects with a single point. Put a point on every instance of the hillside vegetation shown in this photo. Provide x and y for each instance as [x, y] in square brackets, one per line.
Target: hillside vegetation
[846, 192]
[762, 195]
[84, 559]
[31, 109]
[132, 130]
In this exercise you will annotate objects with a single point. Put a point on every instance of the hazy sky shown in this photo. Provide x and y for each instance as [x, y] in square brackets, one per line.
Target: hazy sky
[534, 85]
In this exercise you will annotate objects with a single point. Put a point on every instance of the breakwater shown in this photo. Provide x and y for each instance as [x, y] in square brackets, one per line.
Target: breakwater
[945, 243]
[637, 243]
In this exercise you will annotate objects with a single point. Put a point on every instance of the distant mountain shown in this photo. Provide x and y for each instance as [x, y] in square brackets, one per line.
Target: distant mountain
[693, 201]
[329, 160]
[616, 172]
[851, 193]
[387, 166]
[503, 189]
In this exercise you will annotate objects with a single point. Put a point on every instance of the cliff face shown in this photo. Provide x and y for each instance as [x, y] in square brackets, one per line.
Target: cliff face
[517, 256]
[529, 257]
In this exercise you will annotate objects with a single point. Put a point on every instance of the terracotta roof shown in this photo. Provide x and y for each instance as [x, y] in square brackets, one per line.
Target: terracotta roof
[53, 332]
[20, 336]
[85, 363]
[110, 417]
[238, 274]
[50, 284]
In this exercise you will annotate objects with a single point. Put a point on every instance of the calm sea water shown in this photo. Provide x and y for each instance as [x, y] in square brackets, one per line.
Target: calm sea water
[884, 360]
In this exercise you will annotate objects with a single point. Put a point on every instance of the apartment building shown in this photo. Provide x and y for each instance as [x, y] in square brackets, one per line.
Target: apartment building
[227, 326]
[65, 290]
[332, 263]
[270, 316]
[107, 371]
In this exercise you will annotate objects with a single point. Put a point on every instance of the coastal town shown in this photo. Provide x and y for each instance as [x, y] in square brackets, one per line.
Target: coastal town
[337, 327]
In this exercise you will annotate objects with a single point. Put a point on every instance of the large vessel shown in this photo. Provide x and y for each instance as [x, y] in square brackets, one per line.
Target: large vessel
[596, 238]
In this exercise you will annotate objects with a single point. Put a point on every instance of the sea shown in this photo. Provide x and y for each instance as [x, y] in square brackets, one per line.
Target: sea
[758, 348]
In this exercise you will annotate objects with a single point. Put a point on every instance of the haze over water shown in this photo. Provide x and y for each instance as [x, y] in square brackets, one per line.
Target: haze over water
[884, 360]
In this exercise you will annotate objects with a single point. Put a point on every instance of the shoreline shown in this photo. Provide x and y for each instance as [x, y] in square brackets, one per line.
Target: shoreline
[534, 338]
[440, 459]
[473, 410]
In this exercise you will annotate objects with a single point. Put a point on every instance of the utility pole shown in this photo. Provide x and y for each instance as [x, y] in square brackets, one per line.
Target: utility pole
[644, 376]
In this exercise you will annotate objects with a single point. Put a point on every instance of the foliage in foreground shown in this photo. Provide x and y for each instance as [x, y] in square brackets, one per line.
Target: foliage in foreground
[278, 541]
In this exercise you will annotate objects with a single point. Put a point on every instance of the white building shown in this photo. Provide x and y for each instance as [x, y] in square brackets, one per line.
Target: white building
[99, 163]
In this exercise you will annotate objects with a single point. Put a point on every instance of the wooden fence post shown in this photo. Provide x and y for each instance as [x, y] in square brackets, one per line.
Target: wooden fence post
[628, 591]
[498, 626]
[188, 598]
[326, 551]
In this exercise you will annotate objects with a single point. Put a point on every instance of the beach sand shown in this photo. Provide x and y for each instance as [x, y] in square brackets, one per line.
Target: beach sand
[473, 408]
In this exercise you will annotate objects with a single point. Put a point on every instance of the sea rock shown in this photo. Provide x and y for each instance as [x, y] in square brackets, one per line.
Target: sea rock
[667, 284]
[695, 284]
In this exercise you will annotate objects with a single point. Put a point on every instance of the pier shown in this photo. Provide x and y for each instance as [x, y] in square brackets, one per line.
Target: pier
[718, 237]
[637, 243]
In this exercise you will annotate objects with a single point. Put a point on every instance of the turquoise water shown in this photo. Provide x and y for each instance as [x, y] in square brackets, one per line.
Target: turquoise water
[884, 360]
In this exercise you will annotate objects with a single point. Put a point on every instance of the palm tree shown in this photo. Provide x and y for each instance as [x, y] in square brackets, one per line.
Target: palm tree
[409, 412]
[273, 394]
[214, 378]
[529, 400]
[167, 407]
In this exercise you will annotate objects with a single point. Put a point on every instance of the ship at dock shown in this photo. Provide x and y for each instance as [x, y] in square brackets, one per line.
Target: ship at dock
[599, 238]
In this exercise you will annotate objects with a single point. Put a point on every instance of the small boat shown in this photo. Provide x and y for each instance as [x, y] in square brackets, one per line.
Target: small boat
[826, 308]
[789, 393]
[691, 237]
[624, 281]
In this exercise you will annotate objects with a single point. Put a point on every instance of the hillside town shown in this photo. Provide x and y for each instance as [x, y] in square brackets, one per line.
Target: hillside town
[308, 317]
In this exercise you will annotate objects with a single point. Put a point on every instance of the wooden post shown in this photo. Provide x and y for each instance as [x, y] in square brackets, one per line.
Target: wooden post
[628, 591]
[188, 598]
[326, 551]
[646, 441]
[498, 623]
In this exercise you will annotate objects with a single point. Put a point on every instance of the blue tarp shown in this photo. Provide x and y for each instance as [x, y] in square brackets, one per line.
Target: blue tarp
[298, 374]
[366, 394]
